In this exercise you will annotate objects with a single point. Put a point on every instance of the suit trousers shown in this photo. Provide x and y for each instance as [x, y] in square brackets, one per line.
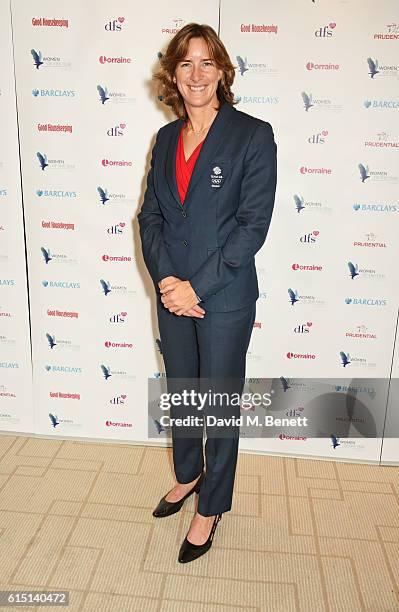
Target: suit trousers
[214, 347]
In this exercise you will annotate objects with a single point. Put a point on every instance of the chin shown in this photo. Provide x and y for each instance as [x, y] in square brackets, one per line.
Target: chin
[192, 101]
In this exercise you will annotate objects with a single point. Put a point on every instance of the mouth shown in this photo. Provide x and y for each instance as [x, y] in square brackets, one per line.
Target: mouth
[196, 88]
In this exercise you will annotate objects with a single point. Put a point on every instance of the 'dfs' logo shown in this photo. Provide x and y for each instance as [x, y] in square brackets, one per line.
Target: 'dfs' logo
[117, 130]
[119, 317]
[116, 230]
[326, 31]
[319, 138]
[115, 25]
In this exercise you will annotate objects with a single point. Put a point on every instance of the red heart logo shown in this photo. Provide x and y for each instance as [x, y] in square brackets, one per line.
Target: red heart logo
[122, 19]
[309, 323]
[316, 232]
[123, 125]
[122, 224]
[123, 396]
[123, 314]
[324, 132]
[332, 25]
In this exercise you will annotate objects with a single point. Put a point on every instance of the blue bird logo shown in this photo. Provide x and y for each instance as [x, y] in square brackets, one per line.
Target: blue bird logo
[103, 193]
[334, 441]
[106, 372]
[46, 255]
[294, 297]
[353, 269]
[160, 428]
[42, 160]
[242, 64]
[364, 175]
[284, 383]
[299, 203]
[373, 66]
[103, 91]
[51, 340]
[37, 58]
[344, 358]
[106, 287]
[54, 420]
[307, 100]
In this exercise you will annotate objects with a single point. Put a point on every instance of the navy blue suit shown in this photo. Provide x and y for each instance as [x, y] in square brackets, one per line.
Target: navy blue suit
[211, 241]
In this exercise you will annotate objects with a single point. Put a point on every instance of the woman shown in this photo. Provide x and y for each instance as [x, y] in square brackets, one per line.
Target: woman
[206, 212]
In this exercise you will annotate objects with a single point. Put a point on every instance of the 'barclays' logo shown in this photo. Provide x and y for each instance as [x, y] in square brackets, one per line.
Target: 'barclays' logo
[54, 93]
[356, 301]
[381, 104]
[380, 207]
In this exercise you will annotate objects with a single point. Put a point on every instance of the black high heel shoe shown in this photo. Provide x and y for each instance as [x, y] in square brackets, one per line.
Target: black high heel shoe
[167, 508]
[189, 551]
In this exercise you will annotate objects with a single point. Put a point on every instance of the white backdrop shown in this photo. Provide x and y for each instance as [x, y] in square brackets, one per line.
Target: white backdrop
[16, 410]
[88, 116]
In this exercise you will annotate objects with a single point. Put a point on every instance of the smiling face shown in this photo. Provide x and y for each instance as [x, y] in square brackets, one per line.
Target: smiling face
[197, 76]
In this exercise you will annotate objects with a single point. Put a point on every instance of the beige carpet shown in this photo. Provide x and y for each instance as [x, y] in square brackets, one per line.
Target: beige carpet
[303, 534]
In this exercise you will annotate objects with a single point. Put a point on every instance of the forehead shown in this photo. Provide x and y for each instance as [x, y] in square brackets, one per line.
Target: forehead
[198, 48]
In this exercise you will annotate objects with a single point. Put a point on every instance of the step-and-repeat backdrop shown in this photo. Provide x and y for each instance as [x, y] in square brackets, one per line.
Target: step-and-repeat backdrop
[88, 114]
[16, 412]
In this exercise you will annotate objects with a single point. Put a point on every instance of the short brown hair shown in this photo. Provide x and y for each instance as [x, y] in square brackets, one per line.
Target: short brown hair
[176, 51]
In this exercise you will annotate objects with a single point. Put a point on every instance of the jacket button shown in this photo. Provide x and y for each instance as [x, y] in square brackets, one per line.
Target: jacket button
[183, 212]
[185, 242]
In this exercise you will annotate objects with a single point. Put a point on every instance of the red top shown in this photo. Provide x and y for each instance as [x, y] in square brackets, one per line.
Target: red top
[185, 168]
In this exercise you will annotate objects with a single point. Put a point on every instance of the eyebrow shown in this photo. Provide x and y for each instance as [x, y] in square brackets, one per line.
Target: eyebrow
[204, 59]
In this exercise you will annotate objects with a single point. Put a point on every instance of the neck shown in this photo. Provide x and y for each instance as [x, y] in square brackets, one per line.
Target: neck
[201, 118]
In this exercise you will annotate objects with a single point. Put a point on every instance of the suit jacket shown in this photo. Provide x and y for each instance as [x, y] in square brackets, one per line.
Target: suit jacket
[212, 239]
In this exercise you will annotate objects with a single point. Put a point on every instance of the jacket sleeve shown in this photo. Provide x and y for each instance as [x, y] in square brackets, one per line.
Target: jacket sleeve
[151, 221]
[253, 217]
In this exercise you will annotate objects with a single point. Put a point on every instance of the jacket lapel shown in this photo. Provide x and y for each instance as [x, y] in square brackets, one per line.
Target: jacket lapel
[212, 143]
[171, 160]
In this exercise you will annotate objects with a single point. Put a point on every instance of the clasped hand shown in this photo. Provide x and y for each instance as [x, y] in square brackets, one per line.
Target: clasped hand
[179, 297]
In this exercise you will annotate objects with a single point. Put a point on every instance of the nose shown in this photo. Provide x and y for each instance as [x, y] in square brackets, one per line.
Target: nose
[196, 72]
